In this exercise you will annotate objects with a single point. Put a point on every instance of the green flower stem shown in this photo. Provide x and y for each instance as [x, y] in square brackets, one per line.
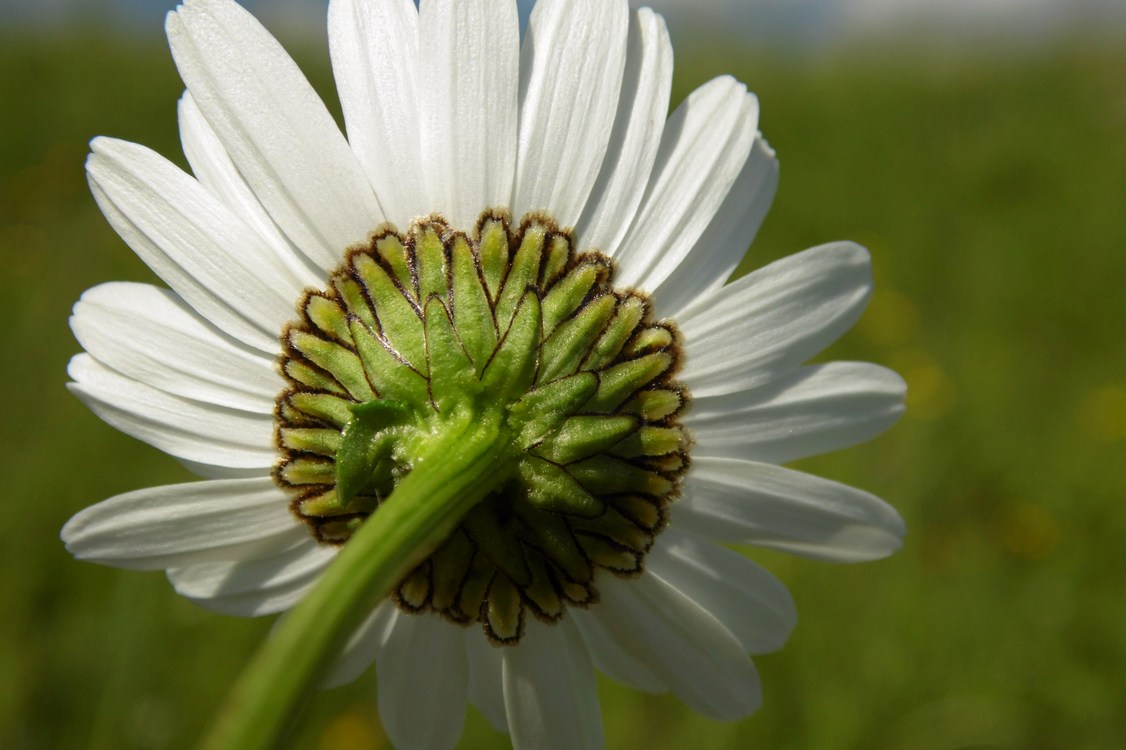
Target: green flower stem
[459, 468]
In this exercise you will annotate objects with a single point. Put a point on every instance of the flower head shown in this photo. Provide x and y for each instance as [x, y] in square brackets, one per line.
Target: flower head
[512, 234]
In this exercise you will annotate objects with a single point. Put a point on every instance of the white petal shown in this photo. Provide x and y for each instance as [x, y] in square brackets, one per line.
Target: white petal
[275, 128]
[374, 49]
[571, 75]
[486, 682]
[812, 410]
[212, 166]
[746, 599]
[258, 586]
[182, 524]
[549, 690]
[187, 429]
[363, 646]
[770, 321]
[744, 502]
[692, 653]
[423, 676]
[642, 108]
[612, 659]
[469, 55]
[151, 336]
[703, 148]
[211, 471]
[208, 255]
[724, 243]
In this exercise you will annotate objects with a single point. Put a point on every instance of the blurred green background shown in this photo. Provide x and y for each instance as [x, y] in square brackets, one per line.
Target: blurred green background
[991, 189]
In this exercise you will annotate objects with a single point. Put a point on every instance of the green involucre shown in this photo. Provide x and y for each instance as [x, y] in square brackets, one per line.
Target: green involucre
[418, 332]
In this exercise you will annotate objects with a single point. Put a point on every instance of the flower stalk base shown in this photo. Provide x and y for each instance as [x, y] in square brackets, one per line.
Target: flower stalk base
[462, 466]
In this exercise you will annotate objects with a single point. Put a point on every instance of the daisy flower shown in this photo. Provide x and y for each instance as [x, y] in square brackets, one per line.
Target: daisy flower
[512, 237]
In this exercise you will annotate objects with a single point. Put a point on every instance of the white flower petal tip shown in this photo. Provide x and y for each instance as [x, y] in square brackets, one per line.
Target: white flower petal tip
[176, 525]
[150, 335]
[766, 505]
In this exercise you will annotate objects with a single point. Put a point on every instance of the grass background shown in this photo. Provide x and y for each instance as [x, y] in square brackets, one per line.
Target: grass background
[991, 191]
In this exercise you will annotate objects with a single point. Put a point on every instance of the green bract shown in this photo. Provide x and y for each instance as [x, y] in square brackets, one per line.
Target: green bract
[420, 331]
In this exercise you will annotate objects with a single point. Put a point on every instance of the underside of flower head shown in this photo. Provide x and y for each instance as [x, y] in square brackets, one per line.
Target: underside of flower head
[507, 324]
